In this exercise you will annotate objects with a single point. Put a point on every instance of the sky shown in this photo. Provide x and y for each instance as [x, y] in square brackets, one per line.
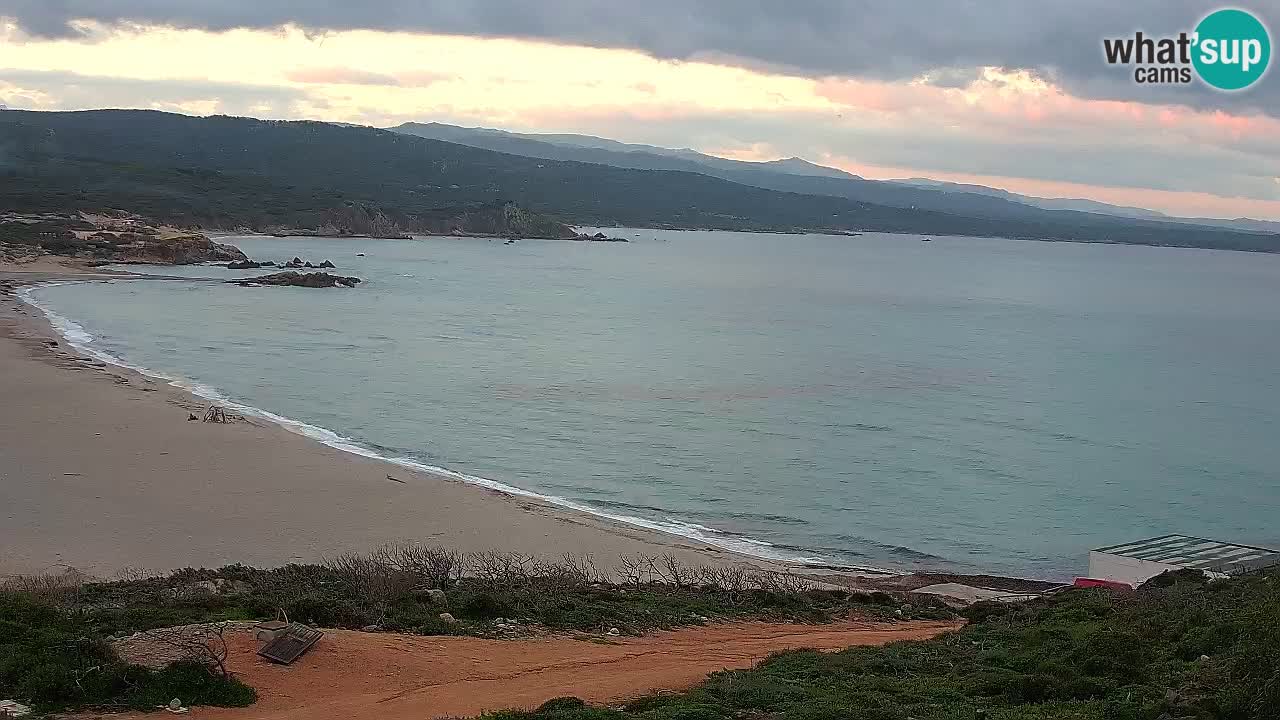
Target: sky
[1006, 93]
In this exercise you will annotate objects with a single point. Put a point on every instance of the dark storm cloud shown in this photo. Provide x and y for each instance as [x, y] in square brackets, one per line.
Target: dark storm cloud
[867, 38]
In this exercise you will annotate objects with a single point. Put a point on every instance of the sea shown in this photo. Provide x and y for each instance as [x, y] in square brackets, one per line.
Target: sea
[879, 401]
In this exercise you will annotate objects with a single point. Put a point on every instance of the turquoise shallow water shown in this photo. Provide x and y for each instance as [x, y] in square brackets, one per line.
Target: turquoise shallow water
[977, 404]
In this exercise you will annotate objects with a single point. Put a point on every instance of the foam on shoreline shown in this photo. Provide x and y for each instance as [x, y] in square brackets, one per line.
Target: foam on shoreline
[84, 342]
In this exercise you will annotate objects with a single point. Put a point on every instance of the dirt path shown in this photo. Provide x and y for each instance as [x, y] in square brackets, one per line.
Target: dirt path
[394, 677]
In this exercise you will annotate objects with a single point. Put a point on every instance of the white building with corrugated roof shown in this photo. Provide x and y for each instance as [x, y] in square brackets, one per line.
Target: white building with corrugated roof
[1136, 562]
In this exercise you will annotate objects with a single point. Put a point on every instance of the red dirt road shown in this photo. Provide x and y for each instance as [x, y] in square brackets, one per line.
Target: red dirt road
[408, 677]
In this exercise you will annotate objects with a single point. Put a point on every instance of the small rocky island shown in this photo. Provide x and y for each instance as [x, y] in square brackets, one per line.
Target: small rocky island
[297, 279]
[294, 263]
[598, 237]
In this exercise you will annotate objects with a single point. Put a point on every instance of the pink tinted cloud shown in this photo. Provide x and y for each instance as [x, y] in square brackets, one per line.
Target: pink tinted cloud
[339, 76]
[998, 107]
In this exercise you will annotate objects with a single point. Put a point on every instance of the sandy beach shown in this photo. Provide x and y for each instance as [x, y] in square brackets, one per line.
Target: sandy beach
[100, 471]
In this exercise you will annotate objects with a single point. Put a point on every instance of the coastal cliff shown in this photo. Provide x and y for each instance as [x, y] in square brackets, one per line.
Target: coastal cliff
[109, 237]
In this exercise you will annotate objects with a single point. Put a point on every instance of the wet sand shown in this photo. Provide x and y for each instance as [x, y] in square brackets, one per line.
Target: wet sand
[100, 471]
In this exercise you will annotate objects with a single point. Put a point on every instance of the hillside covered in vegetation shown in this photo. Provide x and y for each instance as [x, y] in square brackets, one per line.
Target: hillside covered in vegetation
[228, 173]
[1180, 647]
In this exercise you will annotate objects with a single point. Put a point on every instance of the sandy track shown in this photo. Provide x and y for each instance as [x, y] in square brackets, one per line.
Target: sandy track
[393, 677]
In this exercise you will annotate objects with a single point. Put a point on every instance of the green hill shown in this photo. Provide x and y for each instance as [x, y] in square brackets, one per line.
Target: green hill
[224, 172]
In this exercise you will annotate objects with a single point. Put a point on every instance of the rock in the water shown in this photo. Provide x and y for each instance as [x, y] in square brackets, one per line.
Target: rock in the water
[248, 265]
[326, 264]
[296, 279]
[598, 237]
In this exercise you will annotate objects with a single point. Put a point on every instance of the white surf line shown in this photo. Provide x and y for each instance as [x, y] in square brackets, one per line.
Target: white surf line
[82, 341]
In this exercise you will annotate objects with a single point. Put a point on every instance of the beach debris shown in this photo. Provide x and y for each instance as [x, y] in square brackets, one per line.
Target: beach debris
[216, 414]
[13, 709]
[396, 479]
[291, 643]
[192, 416]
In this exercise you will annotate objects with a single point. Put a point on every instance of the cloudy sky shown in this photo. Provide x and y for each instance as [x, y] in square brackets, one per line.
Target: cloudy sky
[1010, 93]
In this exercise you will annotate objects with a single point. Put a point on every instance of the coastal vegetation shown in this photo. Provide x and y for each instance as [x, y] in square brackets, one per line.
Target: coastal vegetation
[275, 176]
[56, 631]
[1179, 647]
[55, 657]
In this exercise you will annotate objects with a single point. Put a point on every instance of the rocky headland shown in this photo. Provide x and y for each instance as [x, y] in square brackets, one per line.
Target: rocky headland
[106, 238]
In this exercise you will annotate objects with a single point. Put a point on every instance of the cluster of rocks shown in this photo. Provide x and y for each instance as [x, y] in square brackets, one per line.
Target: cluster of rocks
[297, 279]
[294, 263]
[598, 237]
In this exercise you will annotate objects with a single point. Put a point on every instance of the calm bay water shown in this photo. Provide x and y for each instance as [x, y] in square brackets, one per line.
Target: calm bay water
[976, 404]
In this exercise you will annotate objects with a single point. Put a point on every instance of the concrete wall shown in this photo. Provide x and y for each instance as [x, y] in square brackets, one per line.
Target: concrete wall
[1106, 566]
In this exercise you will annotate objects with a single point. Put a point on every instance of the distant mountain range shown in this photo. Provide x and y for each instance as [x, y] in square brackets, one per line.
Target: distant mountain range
[1083, 205]
[229, 173]
[799, 175]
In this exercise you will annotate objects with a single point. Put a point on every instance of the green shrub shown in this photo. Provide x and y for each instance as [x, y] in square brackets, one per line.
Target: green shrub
[56, 659]
[1080, 655]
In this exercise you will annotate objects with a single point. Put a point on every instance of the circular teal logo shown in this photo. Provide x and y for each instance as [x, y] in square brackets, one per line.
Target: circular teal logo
[1232, 49]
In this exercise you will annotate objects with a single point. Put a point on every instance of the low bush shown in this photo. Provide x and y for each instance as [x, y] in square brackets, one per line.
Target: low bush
[1081, 655]
[55, 659]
